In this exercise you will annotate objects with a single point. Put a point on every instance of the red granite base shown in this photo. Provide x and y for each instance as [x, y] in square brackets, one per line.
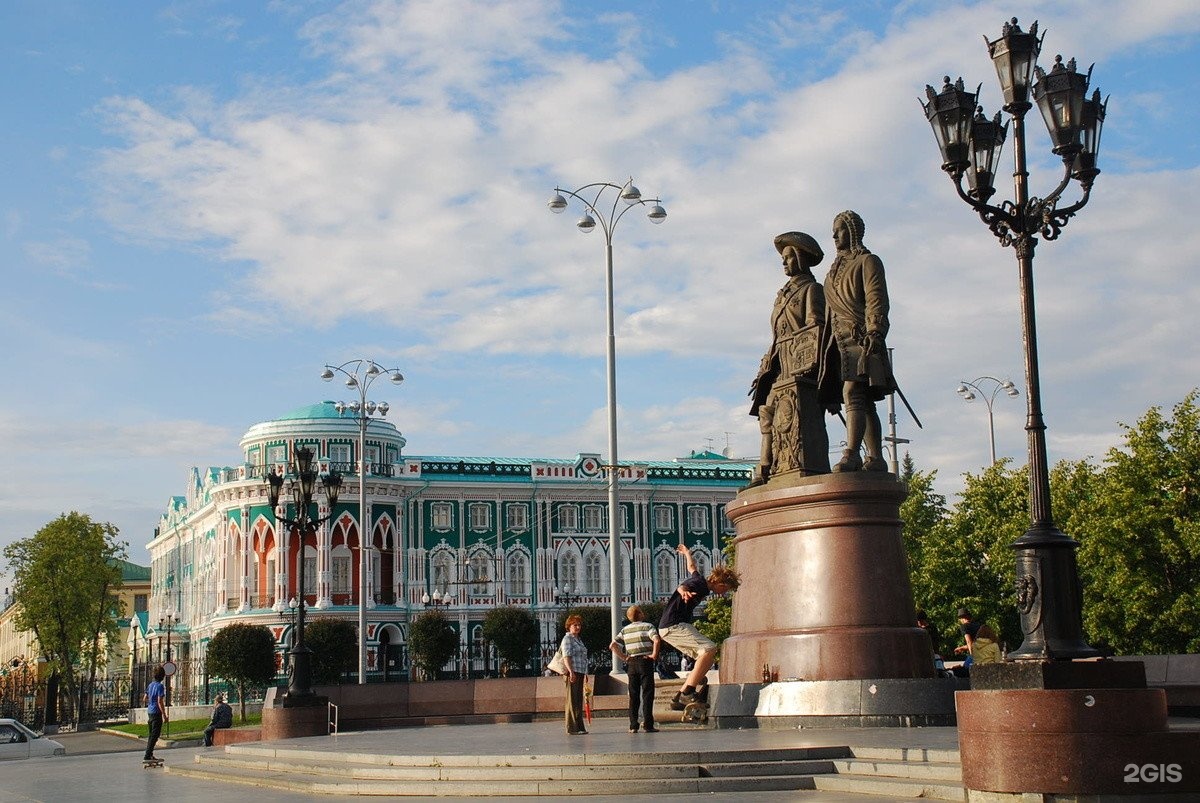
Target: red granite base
[1074, 741]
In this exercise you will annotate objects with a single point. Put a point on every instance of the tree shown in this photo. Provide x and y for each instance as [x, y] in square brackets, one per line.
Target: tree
[432, 641]
[334, 643]
[64, 578]
[244, 655]
[931, 559]
[1139, 530]
[514, 632]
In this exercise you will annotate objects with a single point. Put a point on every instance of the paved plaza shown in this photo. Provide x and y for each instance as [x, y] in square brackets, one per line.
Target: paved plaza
[102, 767]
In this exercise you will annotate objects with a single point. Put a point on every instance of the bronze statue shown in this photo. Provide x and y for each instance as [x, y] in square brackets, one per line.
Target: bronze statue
[855, 370]
[784, 393]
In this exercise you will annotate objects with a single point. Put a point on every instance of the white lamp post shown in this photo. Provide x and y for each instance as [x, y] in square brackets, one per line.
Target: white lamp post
[608, 218]
[360, 375]
[968, 389]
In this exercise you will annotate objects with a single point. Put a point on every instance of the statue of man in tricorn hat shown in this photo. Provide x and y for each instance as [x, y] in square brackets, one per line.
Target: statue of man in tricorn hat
[784, 393]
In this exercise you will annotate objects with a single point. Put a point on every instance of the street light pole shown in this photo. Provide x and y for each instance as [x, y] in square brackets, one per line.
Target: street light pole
[968, 389]
[303, 489]
[360, 375]
[1049, 596]
[608, 219]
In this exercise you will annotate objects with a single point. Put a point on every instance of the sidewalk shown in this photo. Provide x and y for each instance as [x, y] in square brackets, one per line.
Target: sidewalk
[113, 770]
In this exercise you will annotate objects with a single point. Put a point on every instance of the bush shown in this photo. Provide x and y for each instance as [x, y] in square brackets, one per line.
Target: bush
[334, 643]
[432, 642]
[514, 632]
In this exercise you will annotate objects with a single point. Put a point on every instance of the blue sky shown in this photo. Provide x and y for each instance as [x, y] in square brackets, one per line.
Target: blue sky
[204, 202]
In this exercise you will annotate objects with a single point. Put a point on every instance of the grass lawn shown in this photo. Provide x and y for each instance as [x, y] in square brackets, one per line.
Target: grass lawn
[184, 728]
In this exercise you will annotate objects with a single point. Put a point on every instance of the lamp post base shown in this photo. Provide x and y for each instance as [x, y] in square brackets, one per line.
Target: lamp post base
[1049, 598]
[1071, 728]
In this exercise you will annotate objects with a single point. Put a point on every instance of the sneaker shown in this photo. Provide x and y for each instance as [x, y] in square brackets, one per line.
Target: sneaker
[651, 730]
[681, 701]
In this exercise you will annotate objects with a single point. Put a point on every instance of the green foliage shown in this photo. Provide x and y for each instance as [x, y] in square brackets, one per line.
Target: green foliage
[514, 632]
[717, 623]
[243, 654]
[64, 579]
[718, 618]
[432, 641]
[334, 643]
[1138, 525]
[1136, 518]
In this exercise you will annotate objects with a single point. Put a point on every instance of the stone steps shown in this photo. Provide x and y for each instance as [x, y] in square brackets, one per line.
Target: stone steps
[893, 772]
[320, 772]
[897, 772]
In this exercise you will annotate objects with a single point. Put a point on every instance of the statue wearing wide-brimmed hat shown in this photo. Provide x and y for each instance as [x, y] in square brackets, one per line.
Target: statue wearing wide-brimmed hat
[784, 393]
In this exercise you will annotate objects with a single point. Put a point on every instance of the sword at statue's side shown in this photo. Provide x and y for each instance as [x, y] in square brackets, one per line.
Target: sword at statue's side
[908, 406]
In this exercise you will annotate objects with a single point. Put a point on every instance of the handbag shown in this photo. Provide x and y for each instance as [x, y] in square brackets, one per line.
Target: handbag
[558, 664]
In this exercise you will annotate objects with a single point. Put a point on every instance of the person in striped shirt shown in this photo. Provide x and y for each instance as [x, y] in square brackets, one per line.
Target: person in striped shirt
[637, 645]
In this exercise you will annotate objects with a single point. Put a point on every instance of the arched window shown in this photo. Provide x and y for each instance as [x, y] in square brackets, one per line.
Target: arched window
[703, 562]
[342, 562]
[593, 574]
[478, 567]
[664, 572]
[568, 573]
[518, 574]
[441, 565]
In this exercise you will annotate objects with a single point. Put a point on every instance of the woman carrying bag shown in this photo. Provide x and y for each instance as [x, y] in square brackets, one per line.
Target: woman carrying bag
[575, 657]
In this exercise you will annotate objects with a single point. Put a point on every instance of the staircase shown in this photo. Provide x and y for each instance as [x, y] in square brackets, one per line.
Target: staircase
[893, 772]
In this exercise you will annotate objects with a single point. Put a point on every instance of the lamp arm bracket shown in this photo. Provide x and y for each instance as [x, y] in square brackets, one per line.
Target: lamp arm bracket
[1002, 220]
[1053, 220]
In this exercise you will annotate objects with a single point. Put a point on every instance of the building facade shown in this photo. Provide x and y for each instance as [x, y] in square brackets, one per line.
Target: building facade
[465, 534]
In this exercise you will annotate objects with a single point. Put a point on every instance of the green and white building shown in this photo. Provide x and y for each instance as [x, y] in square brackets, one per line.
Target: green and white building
[463, 533]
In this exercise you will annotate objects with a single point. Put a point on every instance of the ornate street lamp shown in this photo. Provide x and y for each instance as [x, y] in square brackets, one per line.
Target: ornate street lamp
[564, 596]
[1048, 593]
[360, 375]
[968, 390]
[303, 487]
[608, 217]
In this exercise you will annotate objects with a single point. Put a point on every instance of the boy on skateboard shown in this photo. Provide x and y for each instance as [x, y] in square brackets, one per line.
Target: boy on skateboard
[156, 709]
[676, 628]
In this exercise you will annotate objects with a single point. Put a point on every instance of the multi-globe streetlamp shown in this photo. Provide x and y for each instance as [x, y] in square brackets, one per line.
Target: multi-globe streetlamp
[597, 211]
[1049, 597]
[360, 375]
[968, 390]
[303, 488]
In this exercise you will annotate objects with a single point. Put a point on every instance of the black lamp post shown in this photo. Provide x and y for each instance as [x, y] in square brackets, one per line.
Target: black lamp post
[1049, 596]
[303, 487]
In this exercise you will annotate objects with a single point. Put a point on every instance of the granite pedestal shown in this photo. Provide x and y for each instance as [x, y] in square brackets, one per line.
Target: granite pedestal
[825, 608]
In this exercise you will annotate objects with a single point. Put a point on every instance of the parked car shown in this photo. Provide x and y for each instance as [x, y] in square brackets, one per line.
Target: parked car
[18, 741]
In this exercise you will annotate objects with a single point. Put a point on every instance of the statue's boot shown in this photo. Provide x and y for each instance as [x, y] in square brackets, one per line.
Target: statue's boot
[850, 462]
[873, 463]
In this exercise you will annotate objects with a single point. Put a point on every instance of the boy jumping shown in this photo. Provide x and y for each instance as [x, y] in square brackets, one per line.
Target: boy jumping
[676, 628]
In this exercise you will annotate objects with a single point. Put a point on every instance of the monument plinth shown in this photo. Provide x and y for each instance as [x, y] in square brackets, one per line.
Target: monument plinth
[827, 596]
[826, 607]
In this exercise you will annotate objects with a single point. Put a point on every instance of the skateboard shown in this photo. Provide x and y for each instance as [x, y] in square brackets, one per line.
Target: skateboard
[697, 711]
[152, 763]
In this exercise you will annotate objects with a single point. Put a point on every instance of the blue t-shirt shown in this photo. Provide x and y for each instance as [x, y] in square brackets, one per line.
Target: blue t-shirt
[155, 692]
[679, 612]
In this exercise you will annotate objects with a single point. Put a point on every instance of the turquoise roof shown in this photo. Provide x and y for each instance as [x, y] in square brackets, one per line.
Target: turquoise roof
[324, 409]
[131, 571]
